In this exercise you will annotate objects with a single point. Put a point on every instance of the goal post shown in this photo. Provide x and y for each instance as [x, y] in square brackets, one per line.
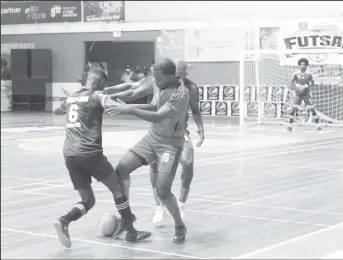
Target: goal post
[266, 93]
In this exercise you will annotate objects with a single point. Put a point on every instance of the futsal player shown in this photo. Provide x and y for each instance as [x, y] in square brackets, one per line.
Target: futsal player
[84, 157]
[165, 139]
[187, 157]
[302, 80]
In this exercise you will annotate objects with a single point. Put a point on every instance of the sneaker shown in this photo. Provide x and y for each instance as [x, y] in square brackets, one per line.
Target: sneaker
[289, 129]
[319, 128]
[159, 215]
[182, 209]
[180, 234]
[135, 236]
[62, 232]
[122, 226]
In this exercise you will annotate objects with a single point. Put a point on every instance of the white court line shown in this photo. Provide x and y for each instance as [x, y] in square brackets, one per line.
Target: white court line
[103, 244]
[25, 185]
[335, 255]
[240, 201]
[287, 242]
[190, 210]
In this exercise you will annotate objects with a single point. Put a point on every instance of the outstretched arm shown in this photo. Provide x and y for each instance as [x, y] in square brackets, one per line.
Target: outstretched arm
[121, 87]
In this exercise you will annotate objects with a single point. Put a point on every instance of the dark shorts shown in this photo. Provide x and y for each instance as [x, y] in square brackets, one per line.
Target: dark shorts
[307, 100]
[166, 156]
[82, 169]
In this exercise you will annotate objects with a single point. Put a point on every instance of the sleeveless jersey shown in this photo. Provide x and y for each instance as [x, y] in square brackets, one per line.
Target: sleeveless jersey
[83, 124]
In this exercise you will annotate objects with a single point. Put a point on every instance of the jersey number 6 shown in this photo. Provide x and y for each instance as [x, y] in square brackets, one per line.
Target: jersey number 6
[73, 115]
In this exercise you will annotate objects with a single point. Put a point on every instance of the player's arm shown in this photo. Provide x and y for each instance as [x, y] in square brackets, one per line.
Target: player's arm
[311, 81]
[146, 88]
[104, 100]
[194, 104]
[168, 110]
[121, 87]
[61, 110]
[151, 106]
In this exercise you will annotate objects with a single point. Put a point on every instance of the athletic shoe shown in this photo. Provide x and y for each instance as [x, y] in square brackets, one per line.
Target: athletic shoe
[180, 234]
[62, 232]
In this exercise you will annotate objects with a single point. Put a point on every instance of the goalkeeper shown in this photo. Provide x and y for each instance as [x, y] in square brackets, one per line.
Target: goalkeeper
[302, 81]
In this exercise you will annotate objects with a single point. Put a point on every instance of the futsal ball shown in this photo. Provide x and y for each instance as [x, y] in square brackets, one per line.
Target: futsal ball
[108, 224]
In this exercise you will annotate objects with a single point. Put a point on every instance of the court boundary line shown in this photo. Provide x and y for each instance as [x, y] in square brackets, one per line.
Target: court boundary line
[190, 210]
[103, 244]
[262, 250]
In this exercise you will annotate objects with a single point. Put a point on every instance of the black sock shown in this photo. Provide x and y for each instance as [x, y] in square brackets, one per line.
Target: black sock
[124, 209]
[77, 212]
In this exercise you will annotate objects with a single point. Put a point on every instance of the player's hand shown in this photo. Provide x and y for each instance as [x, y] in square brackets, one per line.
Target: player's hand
[202, 137]
[305, 86]
[120, 108]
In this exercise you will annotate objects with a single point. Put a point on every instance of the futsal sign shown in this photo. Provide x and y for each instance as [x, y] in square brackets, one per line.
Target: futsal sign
[103, 11]
[317, 34]
[32, 12]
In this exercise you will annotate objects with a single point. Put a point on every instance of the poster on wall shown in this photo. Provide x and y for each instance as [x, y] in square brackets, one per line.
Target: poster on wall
[311, 35]
[268, 38]
[32, 12]
[217, 43]
[103, 11]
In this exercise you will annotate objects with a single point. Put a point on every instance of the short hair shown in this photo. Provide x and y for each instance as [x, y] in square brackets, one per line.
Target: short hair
[303, 60]
[166, 66]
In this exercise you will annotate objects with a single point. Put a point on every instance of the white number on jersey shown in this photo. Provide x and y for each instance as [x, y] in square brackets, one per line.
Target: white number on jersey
[73, 115]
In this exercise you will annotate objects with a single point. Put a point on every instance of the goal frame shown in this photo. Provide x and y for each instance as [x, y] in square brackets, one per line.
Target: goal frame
[256, 54]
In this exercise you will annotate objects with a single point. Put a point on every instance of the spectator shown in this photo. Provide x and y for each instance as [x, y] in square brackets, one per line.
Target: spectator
[138, 75]
[126, 77]
[5, 71]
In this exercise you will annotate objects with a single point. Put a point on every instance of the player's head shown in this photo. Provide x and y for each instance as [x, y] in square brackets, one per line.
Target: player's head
[97, 79]
[164, 73]
[303, 63]
[181, 68]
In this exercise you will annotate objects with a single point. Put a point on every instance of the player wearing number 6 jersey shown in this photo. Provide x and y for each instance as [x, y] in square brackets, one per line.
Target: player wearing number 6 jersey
[165, 139]
[84, 157]
[302, 80]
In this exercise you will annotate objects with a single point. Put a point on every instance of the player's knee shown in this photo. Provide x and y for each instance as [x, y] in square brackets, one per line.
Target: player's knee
[163, 191]
[122, 171]
[186, 159]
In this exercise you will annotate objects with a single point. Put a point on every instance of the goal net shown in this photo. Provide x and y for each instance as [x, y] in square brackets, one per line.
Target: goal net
[265, 80]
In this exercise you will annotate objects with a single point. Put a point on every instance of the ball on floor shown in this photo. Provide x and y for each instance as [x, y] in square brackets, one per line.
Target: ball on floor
[109, 224]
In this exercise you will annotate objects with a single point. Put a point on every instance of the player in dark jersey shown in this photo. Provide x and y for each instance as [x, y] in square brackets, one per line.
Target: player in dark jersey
[84, 157]
[302, 80]
[187, 158]
[165, 139]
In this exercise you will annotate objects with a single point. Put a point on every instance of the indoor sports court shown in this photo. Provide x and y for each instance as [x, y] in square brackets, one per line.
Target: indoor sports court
[258, 192]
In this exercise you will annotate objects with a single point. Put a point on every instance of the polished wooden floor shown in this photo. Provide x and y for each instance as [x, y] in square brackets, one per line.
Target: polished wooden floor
[258, 192]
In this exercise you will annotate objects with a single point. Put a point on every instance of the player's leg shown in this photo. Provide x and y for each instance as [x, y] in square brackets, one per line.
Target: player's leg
[82, 183]
[140, 154]
[296, 102]
[310, 106]
[187, 163]
[159, 212]
[169, 158]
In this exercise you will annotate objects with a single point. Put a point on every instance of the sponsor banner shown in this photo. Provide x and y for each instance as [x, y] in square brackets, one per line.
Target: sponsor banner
[234, 109]
[248, 95]
[278, 93]
[201, 92]
[264, 93]
[270, 109]
[286, 110]
[206, 108]
[269, 37]
[31, 12]
[252, 110]
[311, 35]
[103, 11]
[216, 43]
[229, 93]
[212, 92]
[221, 108]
